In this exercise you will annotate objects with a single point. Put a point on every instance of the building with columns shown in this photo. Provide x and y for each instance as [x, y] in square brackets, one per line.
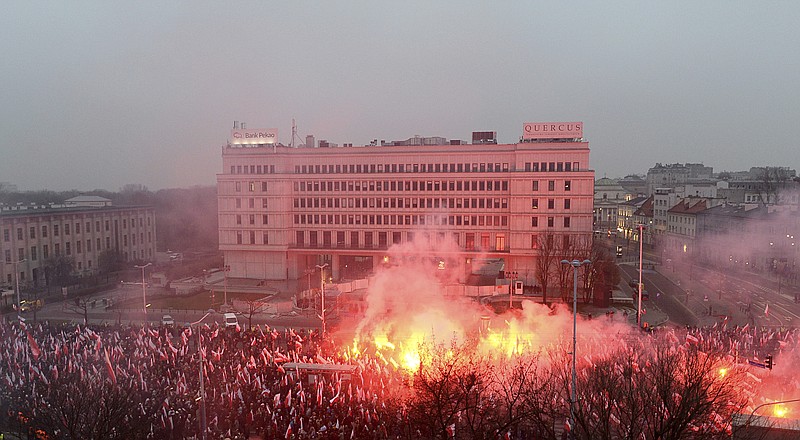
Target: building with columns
[283, 211]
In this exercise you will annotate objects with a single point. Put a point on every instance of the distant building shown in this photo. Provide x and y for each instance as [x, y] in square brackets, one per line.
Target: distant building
[608, 194]
[32, 235]
[672, 175]
[285, 211]
[87, 202]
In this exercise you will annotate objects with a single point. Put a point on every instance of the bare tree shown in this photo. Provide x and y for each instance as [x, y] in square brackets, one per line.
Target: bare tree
[603, 274]
[254, 307]
[771, 180]
[546, 260]
[662, 391]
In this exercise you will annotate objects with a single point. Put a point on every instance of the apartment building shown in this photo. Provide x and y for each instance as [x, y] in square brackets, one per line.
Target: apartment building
[283, 211]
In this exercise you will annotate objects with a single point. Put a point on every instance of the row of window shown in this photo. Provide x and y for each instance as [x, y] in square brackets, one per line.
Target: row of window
[402, 168]
[399, 202]
[35, 271]
[473, 167]
[253, 169]
[396, 219]
[251, 203]
[252, 219]
[57, 228]
[251, 186]
[472, 240]
[403, 185]
[79, 248]
[551, 203]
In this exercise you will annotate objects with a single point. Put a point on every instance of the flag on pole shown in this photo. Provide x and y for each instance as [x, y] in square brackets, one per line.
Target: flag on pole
[766, 310]
[34, 346]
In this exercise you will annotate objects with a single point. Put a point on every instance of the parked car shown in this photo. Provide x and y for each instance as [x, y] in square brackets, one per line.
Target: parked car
[167, 321]
[28, 305]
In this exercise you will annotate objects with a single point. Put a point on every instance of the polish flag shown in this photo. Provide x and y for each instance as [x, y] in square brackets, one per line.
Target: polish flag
[34, 346]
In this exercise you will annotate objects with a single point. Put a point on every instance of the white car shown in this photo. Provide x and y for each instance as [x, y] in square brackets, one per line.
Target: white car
[231, 320]
[167, 320]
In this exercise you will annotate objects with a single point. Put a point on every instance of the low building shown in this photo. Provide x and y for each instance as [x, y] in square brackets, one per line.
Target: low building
[33, 236]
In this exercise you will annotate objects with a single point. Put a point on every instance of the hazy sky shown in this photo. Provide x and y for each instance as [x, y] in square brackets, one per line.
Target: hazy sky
[98, 94]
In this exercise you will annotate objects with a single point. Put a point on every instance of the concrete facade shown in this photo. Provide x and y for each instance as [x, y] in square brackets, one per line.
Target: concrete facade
[30, 236]
[283, 211]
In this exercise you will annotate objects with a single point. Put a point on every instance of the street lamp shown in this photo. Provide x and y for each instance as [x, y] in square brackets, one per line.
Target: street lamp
[16, 281]
[322, 294]
[777, 402]
[225, 270]
[639, 309]
[144, 290]
[575, 265]
[202, 381]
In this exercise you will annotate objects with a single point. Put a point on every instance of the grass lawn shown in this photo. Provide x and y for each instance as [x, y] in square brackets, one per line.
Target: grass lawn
[199, 301]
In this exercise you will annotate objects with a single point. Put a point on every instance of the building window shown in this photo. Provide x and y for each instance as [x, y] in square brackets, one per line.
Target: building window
[535, 186]
[238, 186]
[238, 238]
[33, 232]
[535, 222]
[264, 238]
[500, 242]
[33, 253]
[534, 203]
[68, 248]
[551, 203]
[45, 251]
[567, 185]
[550, 222]
[551, 185]
[19, 234]
[566, 222]
[567, 204]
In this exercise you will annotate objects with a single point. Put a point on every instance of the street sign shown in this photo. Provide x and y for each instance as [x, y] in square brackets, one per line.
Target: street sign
[757, 364]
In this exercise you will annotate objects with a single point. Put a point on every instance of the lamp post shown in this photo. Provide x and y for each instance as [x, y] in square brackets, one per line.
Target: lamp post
[777, 402]
[225, 269]
[572, 400]
[144, 290]
[16, 281]
[639, 306]
[202, 417]
[511, 288]
[322, 294]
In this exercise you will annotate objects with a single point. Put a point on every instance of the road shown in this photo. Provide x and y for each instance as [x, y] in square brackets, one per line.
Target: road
[700, 296]
[61, 310]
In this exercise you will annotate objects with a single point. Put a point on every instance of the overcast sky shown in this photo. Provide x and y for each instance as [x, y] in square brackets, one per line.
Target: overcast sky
[99, 94]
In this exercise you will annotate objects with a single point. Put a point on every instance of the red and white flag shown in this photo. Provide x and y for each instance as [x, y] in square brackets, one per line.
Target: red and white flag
[766, 310]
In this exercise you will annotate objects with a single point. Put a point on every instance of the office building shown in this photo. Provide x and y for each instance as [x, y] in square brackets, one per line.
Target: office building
[283, 211]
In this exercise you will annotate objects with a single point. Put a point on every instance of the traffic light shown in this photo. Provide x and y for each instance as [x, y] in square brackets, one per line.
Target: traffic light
[619, 251]
[768, 362]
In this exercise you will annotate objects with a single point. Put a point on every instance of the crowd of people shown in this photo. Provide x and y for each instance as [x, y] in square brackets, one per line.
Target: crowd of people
[250, 378]
[249, 385]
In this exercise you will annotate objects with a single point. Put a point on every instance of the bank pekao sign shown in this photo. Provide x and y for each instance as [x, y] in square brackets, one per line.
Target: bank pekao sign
[552, 130]
[254, 136]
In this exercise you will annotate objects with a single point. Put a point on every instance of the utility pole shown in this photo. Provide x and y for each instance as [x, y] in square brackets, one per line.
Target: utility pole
[322, 295]
[144, 290]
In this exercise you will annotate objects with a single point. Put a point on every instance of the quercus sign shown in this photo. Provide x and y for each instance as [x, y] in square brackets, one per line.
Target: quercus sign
[552, 130]
[255, 136]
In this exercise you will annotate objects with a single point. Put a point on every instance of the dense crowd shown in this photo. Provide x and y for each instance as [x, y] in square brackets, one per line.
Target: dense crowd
[248, 389]
[250, 384]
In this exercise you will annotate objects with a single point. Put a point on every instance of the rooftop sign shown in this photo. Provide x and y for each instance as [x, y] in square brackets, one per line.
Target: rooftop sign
[552, 130]
[254, 136]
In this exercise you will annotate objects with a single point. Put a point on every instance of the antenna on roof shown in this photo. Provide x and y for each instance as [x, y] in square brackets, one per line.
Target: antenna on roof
[294, 134]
